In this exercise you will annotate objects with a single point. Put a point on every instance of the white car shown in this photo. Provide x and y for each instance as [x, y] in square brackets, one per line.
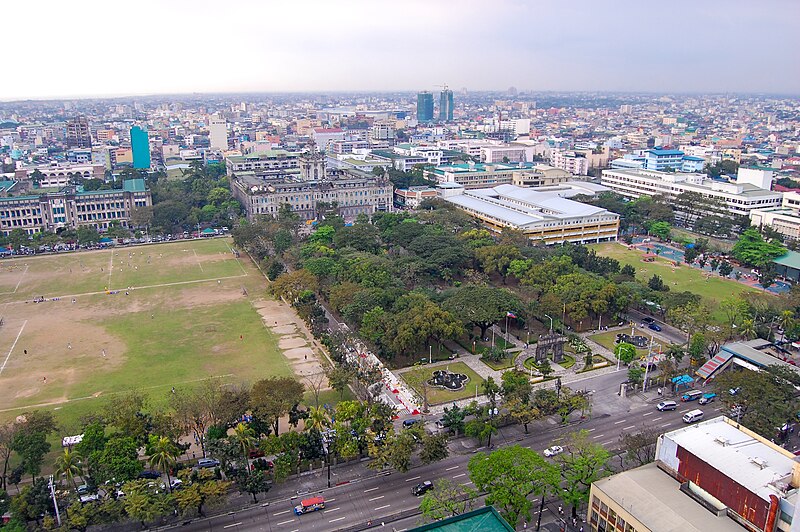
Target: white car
[554, 450]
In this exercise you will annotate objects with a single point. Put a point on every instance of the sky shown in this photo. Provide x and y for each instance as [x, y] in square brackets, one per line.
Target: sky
[87, 48]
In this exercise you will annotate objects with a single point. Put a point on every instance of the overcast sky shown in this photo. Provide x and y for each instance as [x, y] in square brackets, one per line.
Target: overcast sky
[55, 48]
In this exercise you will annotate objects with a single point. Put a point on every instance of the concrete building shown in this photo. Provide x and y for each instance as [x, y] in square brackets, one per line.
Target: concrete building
[56, 174]
[545, 217]
[504, 154]
[662, 160]
[714, 475]
[411, 197]
[446, 105]
[735, 199]
[78, 134]
[479, 175]
[353, 193]
[71, 208]
[322, 136]
[218, 133]
[784, 220]
[570, 161]
[274, 162]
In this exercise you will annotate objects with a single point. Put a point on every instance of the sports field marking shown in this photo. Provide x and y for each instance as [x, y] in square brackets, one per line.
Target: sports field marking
[198, 261]
[110, 268]
[13, 346]
[18, 282]
[52, 403]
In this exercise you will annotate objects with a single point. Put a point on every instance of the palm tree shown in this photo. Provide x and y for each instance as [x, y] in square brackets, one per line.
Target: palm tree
[748, 328]
[69, 465]
[164, 456]
[786, 319]
[317, 418]
[244, 437]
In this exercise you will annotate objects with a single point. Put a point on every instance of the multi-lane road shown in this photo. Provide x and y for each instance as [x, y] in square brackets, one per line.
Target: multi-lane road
[387, 498]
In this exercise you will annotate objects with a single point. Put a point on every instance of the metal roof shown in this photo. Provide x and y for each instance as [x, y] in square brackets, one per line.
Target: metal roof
[791, 259]
[484, 519]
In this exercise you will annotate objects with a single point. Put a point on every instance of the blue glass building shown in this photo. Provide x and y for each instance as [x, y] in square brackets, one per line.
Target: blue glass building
[140, 144]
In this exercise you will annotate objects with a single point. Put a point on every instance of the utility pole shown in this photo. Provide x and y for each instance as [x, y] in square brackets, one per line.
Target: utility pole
[55, 502]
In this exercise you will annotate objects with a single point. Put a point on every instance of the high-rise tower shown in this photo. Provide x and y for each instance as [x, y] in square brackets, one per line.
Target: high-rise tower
[446, 105]
[140, 145]
[424, 107]
[78, 133]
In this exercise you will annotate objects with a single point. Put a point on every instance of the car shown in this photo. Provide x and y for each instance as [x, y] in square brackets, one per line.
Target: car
[734, 391]
[310, 505]
[89, 498]
[654, 327]
[408, 423]
[207, 462]
[422, 488]
[707, 398]
[176, 484]
[83, 489]
[255, 453]
[691, 395]
[648, 320]
[152, 475]
[553, 451]
[667, 405]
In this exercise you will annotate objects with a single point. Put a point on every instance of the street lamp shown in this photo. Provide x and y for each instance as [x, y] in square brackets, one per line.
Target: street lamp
[551, 322]
[492, 412]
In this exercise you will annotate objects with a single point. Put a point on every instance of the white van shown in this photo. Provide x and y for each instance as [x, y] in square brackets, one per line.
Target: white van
[692, 416]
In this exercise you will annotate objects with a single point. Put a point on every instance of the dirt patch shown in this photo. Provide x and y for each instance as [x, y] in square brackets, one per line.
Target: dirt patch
[289, 342]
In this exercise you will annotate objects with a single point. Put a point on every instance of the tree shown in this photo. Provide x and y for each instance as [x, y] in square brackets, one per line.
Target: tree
[272, 398]
[497, 259]
[119, 460]
[395, 450]
[660, 229]
[657, 284]
[164, 456]
[32, 448]
[635, 374]
[625, 352]
[18, 238]
[127, 413]
[725, 269]
[339, 377]
[254, 483]
[516, 385]
[290, 285]
[482, 306]
[204, 490]
[697, 348]
[509, 475]
[434, 448]
[582, 463]
[144, 502]
[545, 368]
[7, 433]
[68, 464]
[33, 502]
[447, 500]
[640, 447]
[752, 249]
[453, 419]
[318, 418]
[522, 412]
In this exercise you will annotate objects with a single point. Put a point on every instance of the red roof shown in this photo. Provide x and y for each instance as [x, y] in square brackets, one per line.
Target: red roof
[312, 501]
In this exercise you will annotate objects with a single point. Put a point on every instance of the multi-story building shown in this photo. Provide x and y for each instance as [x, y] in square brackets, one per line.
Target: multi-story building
[424, 107]
[480, 175]
[218, 133]
[78, 133]
[274, 162]
[446, 105]
[411, 197]
[352, 192]
[71, 208]
[662, 160]
[345, 147]
[714, 475]
[784, 219]
[734, 199]
[140, 145]
[545, 217]
[504, 153]
[55, 174]
[322, 136]
[570, 161]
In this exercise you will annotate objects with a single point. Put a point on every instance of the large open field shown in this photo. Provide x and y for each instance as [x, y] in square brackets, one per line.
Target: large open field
[141, 318]
[712, 288]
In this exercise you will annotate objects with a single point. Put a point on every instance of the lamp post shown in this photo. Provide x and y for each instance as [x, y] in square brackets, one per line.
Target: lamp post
[430, 354]
[551, 322]
[492, 412]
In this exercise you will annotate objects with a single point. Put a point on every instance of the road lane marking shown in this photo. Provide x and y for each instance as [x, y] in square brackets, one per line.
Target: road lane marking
[284, 522]
[377, 498]
[232, 525]
[333, 509]
[450, 468]
[666, 424]
[410, 479]
[330, 500]
[372, 489]
[461, 475]
[628, 428]
[466, 483]
[337, 519]
[657, 418]
[281, 513]
[591, 430]
[598, 436]
[649, 414]
[607, 442]
[620, 421]
[382, 507]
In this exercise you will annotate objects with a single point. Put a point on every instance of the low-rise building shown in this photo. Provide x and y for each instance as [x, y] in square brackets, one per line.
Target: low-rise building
[713, 475]
[54, 174]
[411, 197]
[733, 198]
[481, 175]
[272, 162]
[71, 208]
[543, 216]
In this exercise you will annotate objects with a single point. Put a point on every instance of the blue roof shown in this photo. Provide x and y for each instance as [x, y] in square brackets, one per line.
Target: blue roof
[665, 152]
[692, 158]
[133, 185]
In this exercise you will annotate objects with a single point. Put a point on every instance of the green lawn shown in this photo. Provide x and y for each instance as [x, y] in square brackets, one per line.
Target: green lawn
[504, 363]
[415, 377]
[608, 339]
[712, 289]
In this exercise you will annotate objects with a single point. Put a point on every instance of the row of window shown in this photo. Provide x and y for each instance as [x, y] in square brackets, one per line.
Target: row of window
[26, 222]
[605, 519]
[100, 207]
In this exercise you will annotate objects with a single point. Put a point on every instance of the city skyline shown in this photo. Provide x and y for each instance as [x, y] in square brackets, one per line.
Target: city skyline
[712, 47]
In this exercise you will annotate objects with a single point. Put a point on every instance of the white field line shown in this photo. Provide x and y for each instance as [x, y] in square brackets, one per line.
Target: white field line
[198, 261]
[110, 269]
[13, 346]
[18, 282]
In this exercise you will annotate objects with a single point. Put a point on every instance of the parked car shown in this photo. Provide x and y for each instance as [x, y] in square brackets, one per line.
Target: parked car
[408, 423]
[255, 453]
[654, 327]
[707, 398]
[667, 405]
[207, 462]
[422, 488]
[553, 451]
[152, 475]
[176, 484]
[734, 391]
[648, 320]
